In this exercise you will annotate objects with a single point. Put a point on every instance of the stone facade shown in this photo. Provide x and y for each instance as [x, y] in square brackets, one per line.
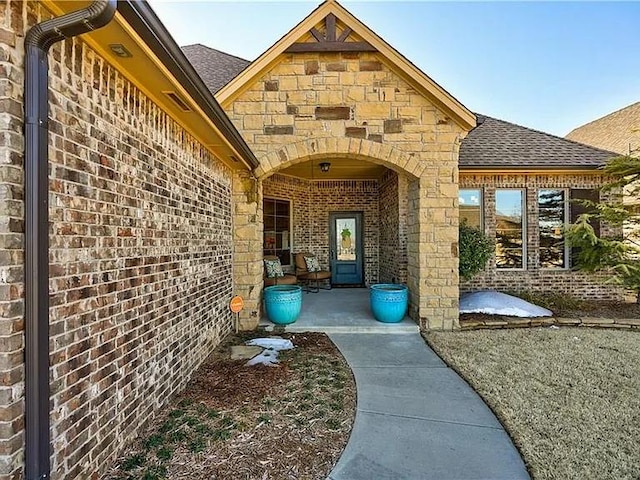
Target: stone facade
[141, 254]
[352, 105]
[533, 277]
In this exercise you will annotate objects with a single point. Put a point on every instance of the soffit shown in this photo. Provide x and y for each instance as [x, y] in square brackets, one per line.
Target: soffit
[148, 73]
[358, 33]
[340, 169]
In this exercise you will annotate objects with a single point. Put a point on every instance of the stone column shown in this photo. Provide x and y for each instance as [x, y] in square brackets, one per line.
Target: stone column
[433, 249]
[247, 246]
[413, 243]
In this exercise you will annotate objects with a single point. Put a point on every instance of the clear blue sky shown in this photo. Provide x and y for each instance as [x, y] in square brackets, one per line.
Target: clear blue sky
[550, 65]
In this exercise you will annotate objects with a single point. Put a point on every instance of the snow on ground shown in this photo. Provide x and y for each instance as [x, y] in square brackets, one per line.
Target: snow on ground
[272, 346]
[496, 303]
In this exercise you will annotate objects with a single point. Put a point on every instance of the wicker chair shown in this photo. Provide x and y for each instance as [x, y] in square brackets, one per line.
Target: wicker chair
[288, 279]
[311, 279]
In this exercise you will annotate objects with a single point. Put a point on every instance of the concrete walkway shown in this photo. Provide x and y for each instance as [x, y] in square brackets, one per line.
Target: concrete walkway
[417, 419]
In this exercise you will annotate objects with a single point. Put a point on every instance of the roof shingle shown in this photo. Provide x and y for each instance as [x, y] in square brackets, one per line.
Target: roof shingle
[619, 131]
[498, 144]
[215, 67]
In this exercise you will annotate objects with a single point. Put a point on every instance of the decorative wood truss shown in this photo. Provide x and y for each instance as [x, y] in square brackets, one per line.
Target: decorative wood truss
[330, 41]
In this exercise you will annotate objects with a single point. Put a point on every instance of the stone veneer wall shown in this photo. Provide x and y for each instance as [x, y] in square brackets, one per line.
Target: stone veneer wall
[315, 105]
[141, 255]
[313, 201]
[533, 278]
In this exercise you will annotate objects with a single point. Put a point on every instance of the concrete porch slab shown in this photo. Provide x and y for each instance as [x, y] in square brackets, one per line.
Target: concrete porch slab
[341, 310]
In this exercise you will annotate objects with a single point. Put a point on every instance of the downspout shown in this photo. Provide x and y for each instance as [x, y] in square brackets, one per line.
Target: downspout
[36, 276]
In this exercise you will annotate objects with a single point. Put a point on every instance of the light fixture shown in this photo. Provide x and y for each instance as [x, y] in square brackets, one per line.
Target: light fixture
[120, 50]
[324, 167]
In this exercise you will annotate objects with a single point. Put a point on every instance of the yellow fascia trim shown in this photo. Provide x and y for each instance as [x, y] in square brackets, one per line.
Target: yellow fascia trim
[465, 118]
[104, 53]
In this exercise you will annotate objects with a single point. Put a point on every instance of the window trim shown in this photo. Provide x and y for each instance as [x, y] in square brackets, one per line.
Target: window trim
[481, 206]
[290, 201]
[525, 229]
[567, 250]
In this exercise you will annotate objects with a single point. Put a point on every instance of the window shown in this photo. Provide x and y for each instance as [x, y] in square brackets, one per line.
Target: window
[510, 244]
[576, 208]
[471, 207]
[277, 228]
[552, 217]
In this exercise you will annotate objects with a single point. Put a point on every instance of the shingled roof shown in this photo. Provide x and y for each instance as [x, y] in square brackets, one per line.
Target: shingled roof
[215, 67]
[496, 144]
[619, 131]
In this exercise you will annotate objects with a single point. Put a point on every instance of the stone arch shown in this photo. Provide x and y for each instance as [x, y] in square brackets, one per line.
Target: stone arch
[355, 148]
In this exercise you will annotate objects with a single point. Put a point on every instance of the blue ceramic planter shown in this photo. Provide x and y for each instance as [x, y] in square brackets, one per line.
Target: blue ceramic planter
[389, 302]
[283, 303]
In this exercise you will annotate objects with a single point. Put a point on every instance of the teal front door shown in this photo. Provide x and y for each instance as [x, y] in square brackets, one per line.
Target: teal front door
[346, 248]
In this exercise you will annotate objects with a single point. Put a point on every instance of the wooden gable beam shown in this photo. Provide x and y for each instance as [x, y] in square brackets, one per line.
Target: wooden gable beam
[328, 42]
[345, 33]
[330, 22]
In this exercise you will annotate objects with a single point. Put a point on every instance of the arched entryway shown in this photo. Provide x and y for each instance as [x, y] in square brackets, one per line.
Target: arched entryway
[378, 181]
[304, 100]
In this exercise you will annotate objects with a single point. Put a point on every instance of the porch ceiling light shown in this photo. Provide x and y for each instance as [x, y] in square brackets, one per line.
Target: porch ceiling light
[120, 50]
[324, 167]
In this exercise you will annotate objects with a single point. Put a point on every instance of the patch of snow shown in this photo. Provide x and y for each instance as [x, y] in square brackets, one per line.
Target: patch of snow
[274, 343]
[496, 303]
[269, 355]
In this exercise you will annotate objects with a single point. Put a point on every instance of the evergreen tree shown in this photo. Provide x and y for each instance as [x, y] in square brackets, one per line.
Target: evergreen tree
[619, 255]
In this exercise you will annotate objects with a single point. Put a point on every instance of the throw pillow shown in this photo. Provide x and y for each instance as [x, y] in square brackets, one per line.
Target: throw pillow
[273, 268]
[312, 264]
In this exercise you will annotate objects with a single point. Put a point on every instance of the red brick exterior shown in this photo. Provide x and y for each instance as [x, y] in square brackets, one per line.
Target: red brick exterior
[141, 255]
[313, 201]
[533, 278]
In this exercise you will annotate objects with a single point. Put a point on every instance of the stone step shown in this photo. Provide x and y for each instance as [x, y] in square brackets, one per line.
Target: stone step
[373, 328]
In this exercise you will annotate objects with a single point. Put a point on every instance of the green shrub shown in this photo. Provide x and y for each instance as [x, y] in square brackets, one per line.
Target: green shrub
[476, 249]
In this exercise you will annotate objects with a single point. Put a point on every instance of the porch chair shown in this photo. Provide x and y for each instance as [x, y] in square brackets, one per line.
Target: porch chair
[308, 270]
[273, 274]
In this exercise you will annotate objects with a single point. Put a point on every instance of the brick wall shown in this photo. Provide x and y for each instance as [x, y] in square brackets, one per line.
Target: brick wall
[313, 201]
[141, 254]
[534, 278]
[393, 235]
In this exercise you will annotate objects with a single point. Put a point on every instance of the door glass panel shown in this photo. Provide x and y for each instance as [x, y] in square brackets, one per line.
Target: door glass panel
[346, 240]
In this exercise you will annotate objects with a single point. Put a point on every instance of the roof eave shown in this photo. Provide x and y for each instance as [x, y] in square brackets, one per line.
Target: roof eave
[141, 17]
[531, 168]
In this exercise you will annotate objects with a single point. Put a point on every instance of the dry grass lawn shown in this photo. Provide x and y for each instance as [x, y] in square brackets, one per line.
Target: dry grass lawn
[569, 397]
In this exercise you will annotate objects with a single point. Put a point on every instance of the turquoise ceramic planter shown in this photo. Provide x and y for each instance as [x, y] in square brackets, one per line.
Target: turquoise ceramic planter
[389, 302]
[283, 303]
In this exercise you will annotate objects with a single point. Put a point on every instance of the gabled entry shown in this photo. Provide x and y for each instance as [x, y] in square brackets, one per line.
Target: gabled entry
[346, 248]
